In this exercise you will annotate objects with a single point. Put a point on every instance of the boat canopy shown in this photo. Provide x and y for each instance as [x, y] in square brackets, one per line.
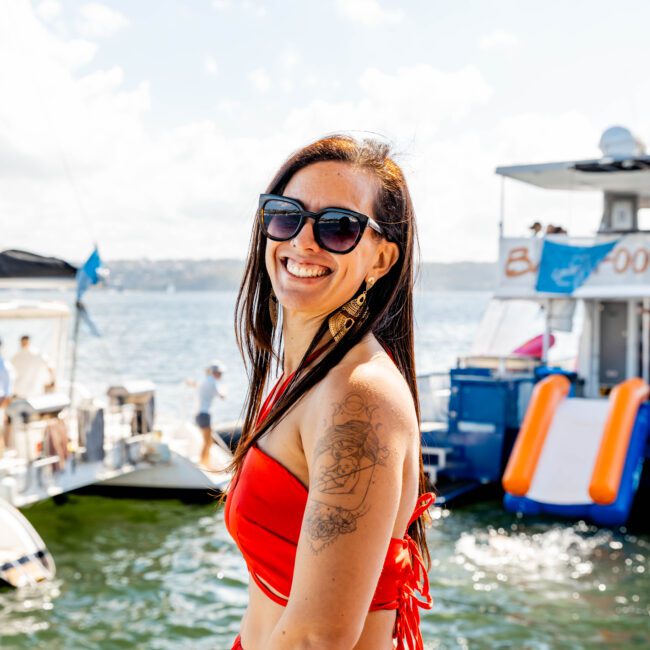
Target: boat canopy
[44, 321]
[29, 309]
[628, 175]
[22, 269]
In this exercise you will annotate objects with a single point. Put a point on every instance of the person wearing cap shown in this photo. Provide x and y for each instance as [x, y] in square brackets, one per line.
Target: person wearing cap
[208, 390]
[6, 391]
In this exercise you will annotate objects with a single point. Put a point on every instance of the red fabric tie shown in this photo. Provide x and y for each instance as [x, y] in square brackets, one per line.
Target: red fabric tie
[407, 623]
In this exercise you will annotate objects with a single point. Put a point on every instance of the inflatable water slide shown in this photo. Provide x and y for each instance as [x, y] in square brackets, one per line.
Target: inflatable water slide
[576, 457]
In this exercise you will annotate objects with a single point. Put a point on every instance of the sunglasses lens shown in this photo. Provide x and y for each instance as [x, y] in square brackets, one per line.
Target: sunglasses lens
[281, 219]
[338, 231]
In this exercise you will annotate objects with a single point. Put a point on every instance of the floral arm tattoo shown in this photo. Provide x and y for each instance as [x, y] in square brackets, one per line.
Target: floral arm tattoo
[345, 461]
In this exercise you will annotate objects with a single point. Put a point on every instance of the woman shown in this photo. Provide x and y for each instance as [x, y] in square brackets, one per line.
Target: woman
[329, 471]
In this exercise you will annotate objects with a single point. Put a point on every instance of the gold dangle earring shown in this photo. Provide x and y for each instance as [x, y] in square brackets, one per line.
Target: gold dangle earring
[273, 308]
[353, 311]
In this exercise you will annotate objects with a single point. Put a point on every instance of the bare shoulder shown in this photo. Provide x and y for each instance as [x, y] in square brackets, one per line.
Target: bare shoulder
[362, 429]
[373, 388]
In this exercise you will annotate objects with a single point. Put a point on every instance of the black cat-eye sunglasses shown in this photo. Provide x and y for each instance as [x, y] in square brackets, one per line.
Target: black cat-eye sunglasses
[336, 230]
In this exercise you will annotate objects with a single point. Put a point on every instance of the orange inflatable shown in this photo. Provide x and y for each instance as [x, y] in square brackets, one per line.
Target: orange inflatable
[624, 402]
[544, 401]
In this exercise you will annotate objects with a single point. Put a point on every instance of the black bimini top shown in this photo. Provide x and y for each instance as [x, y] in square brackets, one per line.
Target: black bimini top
[23, 264]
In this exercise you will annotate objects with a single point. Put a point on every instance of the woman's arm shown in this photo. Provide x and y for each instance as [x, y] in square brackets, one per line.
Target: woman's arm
[355, 445]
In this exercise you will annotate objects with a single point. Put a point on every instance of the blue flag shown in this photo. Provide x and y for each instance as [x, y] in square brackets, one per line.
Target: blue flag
[88, 274]
[563, 268]
[85, 317]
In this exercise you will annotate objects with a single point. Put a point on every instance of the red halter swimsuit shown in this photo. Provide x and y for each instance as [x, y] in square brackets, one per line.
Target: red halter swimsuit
[263, 514]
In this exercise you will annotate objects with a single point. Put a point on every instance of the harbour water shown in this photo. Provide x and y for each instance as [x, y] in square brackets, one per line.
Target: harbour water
[165, 575]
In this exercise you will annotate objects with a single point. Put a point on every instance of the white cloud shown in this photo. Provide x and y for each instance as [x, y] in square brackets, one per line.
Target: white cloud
[414, 101]
[190, 191]
[499, 39]
[99, 21]
[75, 53]
[289, 58]
[368, 12]
[260, 79]
[310, 80]
[210, 66]
[255, 8]
[48, 9]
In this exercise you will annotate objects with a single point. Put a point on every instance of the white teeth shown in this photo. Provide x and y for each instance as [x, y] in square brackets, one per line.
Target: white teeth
[305, 270]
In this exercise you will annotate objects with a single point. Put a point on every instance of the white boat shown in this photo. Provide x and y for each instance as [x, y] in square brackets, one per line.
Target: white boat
[553, 403]
[70, 440]
[24, 560]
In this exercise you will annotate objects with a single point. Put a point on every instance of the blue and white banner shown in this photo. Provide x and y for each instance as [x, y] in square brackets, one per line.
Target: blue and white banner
[563, 268]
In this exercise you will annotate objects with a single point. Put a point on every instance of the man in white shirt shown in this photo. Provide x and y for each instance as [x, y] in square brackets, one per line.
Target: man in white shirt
[6, 391]
[33, 372]
[208, 390]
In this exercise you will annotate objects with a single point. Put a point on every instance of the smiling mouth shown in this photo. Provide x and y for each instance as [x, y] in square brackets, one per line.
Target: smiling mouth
[300, 270]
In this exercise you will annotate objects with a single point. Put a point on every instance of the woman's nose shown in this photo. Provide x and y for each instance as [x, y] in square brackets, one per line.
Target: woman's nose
[305, 238]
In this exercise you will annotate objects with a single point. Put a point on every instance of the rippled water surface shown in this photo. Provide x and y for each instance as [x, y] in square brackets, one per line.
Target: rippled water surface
[141, 574]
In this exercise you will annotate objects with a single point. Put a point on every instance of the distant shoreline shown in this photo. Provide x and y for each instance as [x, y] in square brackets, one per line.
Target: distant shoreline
[225, 275]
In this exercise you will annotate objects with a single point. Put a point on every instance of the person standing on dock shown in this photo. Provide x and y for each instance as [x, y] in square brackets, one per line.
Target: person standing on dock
[208, 390]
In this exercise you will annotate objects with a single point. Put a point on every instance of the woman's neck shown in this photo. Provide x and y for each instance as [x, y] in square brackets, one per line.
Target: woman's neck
[298, 331]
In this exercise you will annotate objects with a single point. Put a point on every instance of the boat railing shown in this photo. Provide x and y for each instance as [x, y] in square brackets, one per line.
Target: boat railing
[433, 391]
[501, 364]
[52, 447]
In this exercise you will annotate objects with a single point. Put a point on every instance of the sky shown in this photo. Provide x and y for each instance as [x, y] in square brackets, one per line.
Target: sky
[151, 127]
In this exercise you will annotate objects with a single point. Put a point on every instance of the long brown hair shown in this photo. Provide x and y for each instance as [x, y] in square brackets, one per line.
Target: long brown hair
[390, 301]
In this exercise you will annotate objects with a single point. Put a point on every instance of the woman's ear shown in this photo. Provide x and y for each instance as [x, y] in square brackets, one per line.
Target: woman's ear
[387, 254]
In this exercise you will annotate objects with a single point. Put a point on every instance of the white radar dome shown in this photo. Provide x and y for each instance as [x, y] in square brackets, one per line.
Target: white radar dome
[619, 142]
